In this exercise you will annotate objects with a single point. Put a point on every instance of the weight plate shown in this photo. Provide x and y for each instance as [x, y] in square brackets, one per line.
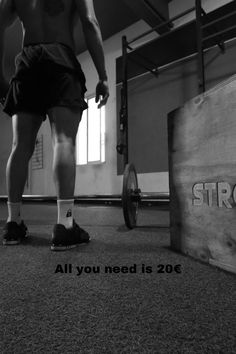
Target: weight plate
[130, 185]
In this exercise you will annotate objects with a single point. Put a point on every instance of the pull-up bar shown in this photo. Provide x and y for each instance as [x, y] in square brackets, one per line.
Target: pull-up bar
[201, 38]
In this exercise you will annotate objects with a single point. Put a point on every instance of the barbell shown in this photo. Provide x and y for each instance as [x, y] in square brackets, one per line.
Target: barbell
[132, 196]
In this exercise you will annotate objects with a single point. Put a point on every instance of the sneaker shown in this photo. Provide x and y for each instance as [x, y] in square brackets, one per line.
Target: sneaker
[64, 239]
[14, 233]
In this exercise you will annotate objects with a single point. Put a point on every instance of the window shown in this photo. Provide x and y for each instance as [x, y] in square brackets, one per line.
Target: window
[90, 140]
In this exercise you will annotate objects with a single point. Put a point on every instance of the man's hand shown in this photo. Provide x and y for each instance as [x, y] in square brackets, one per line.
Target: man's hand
[4, 87]
[102, 90]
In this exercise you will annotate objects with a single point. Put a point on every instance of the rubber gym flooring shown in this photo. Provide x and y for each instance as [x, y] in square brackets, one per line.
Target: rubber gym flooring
[129, 297]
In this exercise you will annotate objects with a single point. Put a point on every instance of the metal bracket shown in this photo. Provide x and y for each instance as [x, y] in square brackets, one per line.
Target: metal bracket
[154, 71]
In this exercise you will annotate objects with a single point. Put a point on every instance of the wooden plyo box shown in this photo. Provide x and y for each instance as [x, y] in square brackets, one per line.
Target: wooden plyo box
[202, 165]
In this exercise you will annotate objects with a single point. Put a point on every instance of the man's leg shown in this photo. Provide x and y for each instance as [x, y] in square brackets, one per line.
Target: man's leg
[25, 129]
[64, 125]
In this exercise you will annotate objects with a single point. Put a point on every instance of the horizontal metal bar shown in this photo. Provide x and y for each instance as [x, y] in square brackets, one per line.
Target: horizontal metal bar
[219, 33]
[144, 58]
[161, 25]
[218, 20]
[167, 66]
[45, 198]
[176, 62]
[152, 71]
[160, 196]
[161, 36]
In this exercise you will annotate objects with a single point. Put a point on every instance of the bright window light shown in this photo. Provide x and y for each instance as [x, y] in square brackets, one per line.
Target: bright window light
[94, 132]
[90, 141]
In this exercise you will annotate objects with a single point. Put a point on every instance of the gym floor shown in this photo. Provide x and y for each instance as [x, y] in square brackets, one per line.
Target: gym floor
[47, 307]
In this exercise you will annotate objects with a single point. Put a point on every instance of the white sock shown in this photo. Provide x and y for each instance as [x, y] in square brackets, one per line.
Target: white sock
[65, 209]
[14, 210]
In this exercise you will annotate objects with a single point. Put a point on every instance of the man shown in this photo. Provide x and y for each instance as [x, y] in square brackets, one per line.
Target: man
[48, 82]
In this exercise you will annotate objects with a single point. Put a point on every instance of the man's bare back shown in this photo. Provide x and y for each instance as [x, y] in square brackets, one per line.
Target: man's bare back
[46, 21]
[52, 21]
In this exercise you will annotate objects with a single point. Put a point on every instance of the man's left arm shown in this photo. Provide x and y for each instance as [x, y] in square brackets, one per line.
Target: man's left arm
[7, 17]
[93, 40]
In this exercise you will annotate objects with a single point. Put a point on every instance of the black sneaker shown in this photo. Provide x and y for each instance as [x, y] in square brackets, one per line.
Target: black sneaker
[64, 239]
[14, 233]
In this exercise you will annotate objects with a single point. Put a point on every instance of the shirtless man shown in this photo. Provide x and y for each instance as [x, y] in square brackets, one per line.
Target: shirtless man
[48, 82]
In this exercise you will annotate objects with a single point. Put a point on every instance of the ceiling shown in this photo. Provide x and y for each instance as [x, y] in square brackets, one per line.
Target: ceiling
[113, 16]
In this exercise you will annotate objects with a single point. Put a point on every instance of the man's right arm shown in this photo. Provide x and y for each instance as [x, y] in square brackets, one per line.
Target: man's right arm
[7, 17]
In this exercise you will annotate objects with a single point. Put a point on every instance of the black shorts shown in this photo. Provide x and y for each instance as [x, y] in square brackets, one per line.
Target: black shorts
[47, 75]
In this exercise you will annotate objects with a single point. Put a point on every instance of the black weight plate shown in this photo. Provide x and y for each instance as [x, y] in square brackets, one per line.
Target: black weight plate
[130, 207]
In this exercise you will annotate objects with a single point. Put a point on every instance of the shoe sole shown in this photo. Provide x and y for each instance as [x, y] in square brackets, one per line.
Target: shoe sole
[11, 243]
[69, 247]
[15, 242]
[63, 248]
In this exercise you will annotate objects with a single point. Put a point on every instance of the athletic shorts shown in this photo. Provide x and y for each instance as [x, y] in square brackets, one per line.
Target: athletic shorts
[46, 76]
